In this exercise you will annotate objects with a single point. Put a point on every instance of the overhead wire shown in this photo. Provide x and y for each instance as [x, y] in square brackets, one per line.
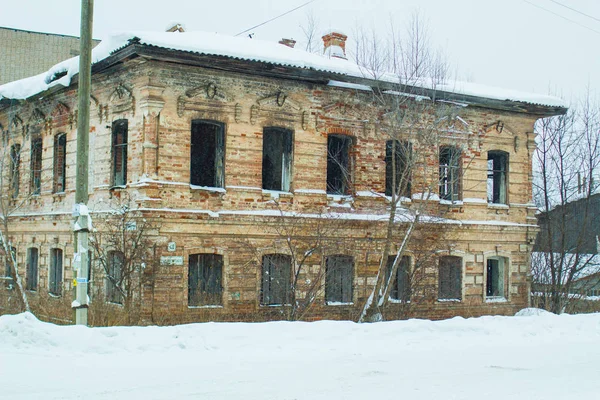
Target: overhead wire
[561, 16]
[279, 16]
[575, 10]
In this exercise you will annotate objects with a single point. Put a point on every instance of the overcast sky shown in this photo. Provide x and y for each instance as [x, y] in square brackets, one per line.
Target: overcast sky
[506, 43]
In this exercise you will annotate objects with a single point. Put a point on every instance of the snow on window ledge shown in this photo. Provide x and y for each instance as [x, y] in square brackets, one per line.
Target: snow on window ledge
[451, 203]
[207, 306]
[498, 205]
[208, 189]
[398, 301]
[338, 303]
[496, 299]
[449, 300]
[275, 194]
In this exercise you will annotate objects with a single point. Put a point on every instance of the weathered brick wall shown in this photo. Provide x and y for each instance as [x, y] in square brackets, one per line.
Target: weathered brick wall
[160, 101]
[24, 53]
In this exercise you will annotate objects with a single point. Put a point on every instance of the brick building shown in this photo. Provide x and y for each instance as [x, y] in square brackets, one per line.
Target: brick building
[26, 53]
[238, 151]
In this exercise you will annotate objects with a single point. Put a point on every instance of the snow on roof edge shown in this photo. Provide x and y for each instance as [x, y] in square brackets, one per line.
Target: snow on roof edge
[251, 50]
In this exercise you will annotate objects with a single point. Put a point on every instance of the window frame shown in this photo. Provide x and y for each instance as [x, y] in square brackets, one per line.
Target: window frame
[402, 281]
[218, 167]
[450, 173]
[120, 129]
[35, 165]
[282, 277]
[339, 274]
[32, 274]
[215, 265]
[112, 293]
[402, 163]
[458, 265]
[335, 166]
[59, 171]
[285, 177]
[15, 169]
[55, 287]
[497, 176]
[505, 268]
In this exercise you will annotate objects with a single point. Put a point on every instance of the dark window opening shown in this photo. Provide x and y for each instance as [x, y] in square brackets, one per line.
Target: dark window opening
[338, 279]
[15, 174]
[495, 277]
[119, 152]
[56, 272]
[277, 159]
[398, 156]
[497, 169]
[338, 164]
[207, 154]
[9, 261]
[114, 278]
[36, 166]
[204, 279]
[449, 162]
[31, 275]
[450, 278]
[60, 167]
[89, 267]
[276, 273]
[401, 288]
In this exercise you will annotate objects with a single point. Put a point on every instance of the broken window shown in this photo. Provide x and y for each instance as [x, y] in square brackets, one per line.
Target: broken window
[15, 174]
[449, 162]
[277, 159]
[114, 278]
[31, 274]
[497, 177]
[119, 152]
[36, 165]
[276, 273]
[55, 278]
[450, 278]
[338, 164]
[338, 279]
[400, 289]
[204, 279]
[398, 156]
[60, 156]
[207, 154]
[495, 277]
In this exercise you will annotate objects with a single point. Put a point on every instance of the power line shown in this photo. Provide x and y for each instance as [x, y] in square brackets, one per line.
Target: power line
[575, 10]
[279, 16]
[561, 16]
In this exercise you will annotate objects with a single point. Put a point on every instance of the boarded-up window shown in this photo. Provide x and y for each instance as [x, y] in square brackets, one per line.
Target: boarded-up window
[31, 282]
[450, 278]
[60, 157]
[119, 152]
[114, 278]
[55, 276]
[449, 161]
[15, 165]
[204, 279]
[338, 279]
[495, 279]
[276, 272]
[401, 287]
[277, 159]
[497, 172]
[338, 164]
[36, 166]
[398, 156]
[207, 154]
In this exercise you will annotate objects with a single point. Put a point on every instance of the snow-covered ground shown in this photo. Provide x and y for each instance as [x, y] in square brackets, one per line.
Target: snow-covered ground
[523, 357]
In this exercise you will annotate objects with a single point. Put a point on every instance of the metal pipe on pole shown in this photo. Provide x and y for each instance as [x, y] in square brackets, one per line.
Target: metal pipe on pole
[82, 223]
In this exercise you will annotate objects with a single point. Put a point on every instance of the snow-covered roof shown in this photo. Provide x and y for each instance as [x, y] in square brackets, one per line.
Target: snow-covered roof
[251, 50]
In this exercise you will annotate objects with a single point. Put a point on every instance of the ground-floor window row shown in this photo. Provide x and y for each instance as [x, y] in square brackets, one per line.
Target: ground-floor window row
[205, 280]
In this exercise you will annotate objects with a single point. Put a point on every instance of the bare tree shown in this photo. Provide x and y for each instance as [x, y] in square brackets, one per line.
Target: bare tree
[310, 29]
[566, 165]
[123, 250]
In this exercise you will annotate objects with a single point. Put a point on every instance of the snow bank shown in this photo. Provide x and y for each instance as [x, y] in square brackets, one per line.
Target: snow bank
[254, 50]
[526, 357]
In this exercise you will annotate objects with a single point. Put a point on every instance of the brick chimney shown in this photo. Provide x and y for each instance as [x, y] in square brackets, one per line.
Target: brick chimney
[288, 42]
[334, 44]
[176, 28]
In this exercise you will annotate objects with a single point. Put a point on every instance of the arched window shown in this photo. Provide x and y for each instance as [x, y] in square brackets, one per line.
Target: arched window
[339, 275]
[276, 273]
[119, 152]
[60, 163]
[36, 165]
[205, 274]
[15, 173]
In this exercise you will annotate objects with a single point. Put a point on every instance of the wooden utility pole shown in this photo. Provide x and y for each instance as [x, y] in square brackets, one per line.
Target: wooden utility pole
[80, 211]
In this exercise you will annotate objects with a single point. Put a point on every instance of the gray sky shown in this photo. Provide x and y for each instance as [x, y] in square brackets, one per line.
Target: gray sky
[506, 43]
